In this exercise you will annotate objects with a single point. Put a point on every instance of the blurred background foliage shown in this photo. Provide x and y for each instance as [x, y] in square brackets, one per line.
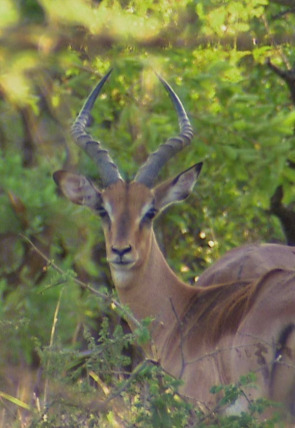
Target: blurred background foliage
[214, 53]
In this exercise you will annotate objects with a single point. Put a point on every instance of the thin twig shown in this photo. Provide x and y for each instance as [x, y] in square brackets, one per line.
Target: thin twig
[183, 363]
[107, 298]
[139, 368]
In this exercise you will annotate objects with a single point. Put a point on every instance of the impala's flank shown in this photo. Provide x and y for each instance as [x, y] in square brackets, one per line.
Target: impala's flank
[240, 317]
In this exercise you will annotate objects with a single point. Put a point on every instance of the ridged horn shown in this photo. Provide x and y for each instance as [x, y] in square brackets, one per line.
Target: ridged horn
[150, 169]
[108, 170]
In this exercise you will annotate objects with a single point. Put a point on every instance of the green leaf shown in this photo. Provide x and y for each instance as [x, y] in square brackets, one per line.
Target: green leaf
[15, 401]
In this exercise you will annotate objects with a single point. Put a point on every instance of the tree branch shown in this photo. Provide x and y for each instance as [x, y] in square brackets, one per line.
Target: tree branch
[287, 75]
[107, 298]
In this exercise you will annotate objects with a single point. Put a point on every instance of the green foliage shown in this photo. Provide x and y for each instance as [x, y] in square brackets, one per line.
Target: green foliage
[250, 419]
[164, 408]
[51, 54]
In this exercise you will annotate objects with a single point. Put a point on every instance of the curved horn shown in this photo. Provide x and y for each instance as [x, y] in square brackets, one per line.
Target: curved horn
[150, 169]
[108, 171]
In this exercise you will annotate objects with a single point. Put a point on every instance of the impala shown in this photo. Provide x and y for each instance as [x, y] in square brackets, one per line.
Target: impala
[240, 316]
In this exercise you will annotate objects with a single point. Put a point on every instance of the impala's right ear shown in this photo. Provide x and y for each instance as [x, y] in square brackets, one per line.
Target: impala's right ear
[78, 189]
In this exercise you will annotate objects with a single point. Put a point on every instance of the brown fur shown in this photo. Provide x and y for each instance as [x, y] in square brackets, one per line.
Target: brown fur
[224, 306]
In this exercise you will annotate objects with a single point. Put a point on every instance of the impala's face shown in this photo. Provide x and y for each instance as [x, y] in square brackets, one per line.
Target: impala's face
[127, 211]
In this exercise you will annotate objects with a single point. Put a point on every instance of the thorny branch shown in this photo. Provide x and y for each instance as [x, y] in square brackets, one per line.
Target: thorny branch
[138, 369]
[107, 298]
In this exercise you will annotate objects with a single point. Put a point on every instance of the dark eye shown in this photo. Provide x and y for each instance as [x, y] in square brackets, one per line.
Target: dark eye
[150, 214]
[102, 212]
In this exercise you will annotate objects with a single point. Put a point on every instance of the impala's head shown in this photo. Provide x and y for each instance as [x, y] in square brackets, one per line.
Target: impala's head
[127, 209]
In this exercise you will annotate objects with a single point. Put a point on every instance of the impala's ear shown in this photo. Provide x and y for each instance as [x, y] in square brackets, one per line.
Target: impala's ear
[178, 188]
[78, 189]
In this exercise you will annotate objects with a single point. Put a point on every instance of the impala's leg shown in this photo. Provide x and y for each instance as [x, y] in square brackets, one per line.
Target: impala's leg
[283, 373]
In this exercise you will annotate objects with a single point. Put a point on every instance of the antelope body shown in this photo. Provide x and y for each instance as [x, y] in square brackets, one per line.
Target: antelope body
[241, 315]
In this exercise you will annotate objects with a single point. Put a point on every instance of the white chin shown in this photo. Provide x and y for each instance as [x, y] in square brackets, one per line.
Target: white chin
[121, 275]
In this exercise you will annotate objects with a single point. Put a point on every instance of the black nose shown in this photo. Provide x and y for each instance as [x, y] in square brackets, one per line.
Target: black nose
[121, 251]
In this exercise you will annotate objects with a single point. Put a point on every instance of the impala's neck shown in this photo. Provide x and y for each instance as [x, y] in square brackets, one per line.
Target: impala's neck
[153, 290]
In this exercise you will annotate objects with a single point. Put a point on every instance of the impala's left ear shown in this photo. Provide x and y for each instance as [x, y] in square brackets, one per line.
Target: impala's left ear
[178, 188]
